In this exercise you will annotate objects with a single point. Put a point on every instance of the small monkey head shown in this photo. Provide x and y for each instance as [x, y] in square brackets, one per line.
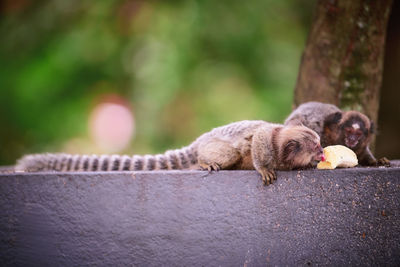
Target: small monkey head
[302, 147]
[357, 129]
[352, 129]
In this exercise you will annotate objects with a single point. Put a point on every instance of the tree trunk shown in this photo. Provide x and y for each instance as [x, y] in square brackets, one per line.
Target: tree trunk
[343, 60]
[388, 141]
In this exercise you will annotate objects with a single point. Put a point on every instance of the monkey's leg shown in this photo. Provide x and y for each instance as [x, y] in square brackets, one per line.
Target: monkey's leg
[216, 155]
[367, 159]
[263, 156]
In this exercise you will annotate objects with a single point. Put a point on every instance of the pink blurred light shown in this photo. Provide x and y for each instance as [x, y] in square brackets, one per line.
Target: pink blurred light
[111, 126]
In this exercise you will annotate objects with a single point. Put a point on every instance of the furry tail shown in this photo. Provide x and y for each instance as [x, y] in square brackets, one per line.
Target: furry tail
[184, 158]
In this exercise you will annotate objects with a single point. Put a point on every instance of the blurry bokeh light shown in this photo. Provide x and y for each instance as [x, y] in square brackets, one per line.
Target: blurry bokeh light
[182, 79]
[111, 126]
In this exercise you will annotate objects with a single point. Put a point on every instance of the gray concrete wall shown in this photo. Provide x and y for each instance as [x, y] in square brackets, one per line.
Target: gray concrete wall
[192, 218]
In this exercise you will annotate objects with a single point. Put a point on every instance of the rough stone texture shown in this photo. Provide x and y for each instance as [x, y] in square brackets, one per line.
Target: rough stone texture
[192, 218]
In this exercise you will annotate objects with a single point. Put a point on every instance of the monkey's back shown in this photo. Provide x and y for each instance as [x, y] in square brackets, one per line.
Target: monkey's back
[236, 130]
[311, 115]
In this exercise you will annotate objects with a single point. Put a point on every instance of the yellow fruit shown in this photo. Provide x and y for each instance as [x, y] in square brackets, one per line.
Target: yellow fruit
[338, 156]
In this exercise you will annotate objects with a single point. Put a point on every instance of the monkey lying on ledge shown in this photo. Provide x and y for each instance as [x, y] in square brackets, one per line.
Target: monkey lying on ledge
[258, 145]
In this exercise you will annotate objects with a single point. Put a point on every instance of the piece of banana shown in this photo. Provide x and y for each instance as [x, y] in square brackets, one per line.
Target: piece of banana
[338, 156]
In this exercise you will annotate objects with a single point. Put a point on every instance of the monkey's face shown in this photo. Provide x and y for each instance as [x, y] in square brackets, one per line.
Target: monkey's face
[353, 136]
[356, 132]
[351, 128]
[313, 150]
[317, 152]
[304, 149]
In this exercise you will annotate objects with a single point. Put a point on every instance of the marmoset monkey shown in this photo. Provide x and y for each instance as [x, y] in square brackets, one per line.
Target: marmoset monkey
[257, 145]
[335, 127]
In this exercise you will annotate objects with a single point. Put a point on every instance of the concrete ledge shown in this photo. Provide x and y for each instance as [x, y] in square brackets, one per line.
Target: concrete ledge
[186, 218]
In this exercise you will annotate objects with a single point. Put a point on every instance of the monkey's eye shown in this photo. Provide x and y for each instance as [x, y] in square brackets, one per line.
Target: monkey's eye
[349, 131]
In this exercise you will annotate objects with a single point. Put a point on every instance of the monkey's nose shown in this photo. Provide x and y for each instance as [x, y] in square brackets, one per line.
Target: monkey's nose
[319, 156]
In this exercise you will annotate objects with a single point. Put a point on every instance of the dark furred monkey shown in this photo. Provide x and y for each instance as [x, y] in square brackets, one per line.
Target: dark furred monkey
[335, 127]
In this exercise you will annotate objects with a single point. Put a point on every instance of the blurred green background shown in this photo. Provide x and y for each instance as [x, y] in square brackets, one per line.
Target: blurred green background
[184, 67]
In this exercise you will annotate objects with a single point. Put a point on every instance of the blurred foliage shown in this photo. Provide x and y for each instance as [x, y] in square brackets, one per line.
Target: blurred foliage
[185, 67]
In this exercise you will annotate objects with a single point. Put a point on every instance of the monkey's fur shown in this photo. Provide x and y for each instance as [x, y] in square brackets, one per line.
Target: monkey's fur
[335, 127]
[257, 145]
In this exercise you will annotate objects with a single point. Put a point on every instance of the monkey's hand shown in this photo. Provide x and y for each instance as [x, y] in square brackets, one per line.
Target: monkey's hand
[210, 167]
[268, 176]
[383, 162]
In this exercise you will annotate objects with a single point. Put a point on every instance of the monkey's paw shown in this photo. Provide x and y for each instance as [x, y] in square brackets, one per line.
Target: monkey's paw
[268, 176]
[383, 162]
[210, 167]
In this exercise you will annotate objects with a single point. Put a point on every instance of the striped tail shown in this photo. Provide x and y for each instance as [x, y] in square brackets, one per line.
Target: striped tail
[179, 159]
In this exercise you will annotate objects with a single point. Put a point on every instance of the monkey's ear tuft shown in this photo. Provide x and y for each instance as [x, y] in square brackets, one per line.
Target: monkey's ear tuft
[290, 150]
[334, 118]
[372, 129]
